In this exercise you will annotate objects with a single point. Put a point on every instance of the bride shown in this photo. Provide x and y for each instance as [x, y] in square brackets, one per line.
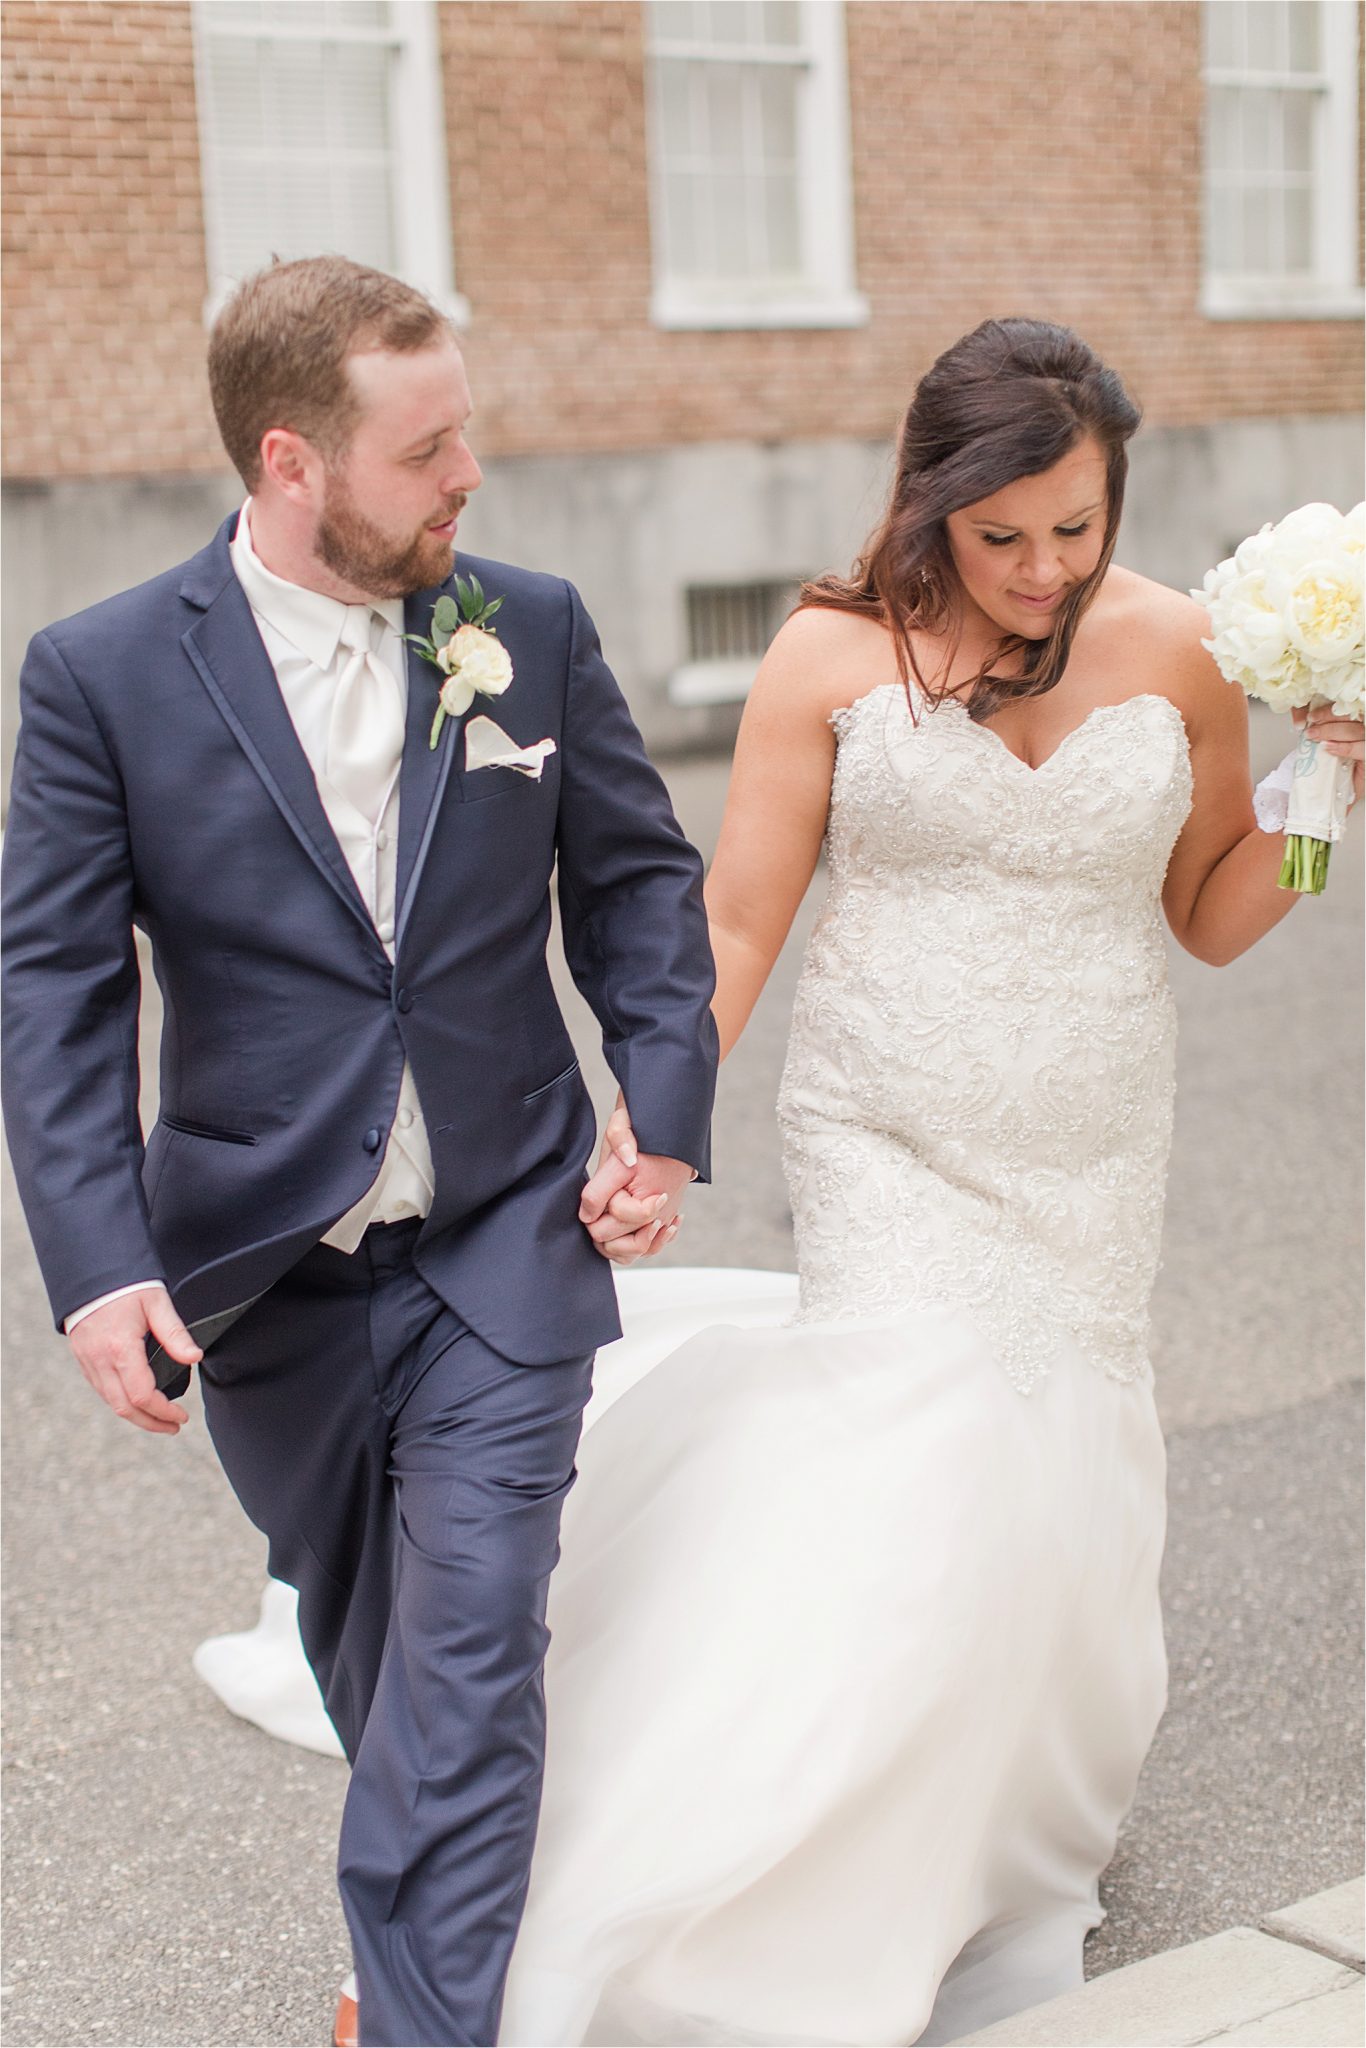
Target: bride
[856, 1643]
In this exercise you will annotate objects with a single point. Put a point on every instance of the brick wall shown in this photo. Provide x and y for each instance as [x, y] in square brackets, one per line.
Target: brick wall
[1061, 177]
[1033, 157]
[104, 242]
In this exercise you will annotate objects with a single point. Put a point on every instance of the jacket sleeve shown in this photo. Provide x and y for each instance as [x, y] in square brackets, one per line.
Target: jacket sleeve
[71, 992]
[635, 930]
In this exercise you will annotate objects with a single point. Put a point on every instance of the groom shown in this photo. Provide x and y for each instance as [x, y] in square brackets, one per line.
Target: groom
[373, 1130]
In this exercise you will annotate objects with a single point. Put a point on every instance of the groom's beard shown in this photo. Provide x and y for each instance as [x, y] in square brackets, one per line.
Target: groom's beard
[364, 556]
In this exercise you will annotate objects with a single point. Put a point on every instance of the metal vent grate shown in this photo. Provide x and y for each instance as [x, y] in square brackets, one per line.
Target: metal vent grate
[731, 621]
[729, 628]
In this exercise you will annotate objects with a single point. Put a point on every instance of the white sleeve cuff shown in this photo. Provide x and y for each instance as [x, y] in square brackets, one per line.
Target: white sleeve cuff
[78, 1315]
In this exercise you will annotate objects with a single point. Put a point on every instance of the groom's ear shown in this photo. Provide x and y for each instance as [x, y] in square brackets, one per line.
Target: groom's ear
[290, 465]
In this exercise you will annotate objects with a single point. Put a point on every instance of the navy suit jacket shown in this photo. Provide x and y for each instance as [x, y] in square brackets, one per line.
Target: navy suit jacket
[159, 782]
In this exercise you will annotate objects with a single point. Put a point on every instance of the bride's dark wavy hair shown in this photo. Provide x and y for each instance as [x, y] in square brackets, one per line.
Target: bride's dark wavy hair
[1007, 401]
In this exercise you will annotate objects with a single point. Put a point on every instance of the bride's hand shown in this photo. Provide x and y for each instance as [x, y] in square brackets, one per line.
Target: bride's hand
[1344, 738]
[625, 1222]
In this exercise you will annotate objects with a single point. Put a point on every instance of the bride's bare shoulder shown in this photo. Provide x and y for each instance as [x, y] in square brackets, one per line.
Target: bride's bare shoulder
[823, 659]
[1153, 635]
[1134, 604]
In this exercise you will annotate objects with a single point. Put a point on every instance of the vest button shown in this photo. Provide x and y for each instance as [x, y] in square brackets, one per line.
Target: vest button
[372, 1139]
[403, 1000]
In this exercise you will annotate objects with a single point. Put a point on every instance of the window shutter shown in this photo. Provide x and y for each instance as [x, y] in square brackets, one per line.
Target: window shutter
[321, 126]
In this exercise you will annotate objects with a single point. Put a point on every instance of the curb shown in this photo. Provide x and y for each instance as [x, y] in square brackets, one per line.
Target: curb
[1293, 1982]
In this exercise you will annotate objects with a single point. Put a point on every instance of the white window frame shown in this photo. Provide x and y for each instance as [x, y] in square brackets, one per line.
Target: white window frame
[828, 296]
[1332, 290]
[422, 223]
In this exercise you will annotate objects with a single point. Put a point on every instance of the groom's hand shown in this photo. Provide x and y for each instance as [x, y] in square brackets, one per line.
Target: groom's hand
[630, 1206]
[111, 1352]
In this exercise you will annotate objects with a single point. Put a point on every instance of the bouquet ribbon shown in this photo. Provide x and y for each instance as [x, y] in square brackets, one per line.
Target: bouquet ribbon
[1320, 793]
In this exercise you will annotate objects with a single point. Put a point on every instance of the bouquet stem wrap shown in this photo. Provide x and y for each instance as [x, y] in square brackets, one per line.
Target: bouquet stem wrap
[1319, 795]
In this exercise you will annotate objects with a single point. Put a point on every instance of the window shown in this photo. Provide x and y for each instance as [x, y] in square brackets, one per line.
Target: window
[1280, 159]
[322, 130]
[749, 135]
[729, 628]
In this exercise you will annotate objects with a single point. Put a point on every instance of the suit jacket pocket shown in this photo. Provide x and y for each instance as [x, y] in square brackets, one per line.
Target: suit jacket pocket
[477, 785]
[214, 1131]
[546, 1086]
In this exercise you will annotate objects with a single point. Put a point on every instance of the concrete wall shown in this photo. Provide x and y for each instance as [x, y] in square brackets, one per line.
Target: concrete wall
[634, 530]
[1195, 492]
[69, 543]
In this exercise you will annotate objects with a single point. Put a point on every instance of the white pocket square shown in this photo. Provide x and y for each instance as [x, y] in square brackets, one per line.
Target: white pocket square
[488, 746]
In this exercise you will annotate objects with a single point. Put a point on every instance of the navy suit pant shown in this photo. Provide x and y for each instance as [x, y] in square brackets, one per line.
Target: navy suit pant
[410, 1482]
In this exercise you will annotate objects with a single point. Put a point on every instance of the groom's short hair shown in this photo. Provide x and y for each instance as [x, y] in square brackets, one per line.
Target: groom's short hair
[278, 350]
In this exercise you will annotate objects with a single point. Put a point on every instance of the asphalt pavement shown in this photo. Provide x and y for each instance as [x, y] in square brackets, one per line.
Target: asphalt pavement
[168, 1872]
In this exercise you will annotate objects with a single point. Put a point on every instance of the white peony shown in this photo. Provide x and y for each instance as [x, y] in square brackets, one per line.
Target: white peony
[1287, 608]
[476, 664]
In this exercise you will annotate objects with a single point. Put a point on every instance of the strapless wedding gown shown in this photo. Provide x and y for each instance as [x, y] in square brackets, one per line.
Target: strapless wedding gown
[856, 1649]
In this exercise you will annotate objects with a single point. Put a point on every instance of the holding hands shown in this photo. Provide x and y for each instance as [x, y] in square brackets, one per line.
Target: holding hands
[630, 1207]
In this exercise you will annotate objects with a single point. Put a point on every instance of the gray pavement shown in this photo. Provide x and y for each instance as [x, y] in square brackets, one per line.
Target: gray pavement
[169, 1869]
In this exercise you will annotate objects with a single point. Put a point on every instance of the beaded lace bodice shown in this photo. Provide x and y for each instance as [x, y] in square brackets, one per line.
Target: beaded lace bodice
[977, 1099]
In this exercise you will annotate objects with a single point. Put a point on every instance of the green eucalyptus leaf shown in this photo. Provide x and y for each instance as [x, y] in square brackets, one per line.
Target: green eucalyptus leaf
[445, 618]
[490, 609]
[477, 587]
[425, 648]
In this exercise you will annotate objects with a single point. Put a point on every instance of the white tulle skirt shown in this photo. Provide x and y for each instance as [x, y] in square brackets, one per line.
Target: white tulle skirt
[856, 1655]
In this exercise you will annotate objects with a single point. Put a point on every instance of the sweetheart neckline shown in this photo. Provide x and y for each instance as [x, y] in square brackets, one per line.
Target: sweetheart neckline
[1030, 768]
[1027, 768]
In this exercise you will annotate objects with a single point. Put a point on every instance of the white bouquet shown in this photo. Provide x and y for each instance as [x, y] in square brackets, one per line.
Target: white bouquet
[1286, 610]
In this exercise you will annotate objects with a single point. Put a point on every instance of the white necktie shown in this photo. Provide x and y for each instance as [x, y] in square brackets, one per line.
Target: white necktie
[365, 733]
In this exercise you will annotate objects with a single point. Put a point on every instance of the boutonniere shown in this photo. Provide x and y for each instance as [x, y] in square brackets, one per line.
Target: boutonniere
[467, 650]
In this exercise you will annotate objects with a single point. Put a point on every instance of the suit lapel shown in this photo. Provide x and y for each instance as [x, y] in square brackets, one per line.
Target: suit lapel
[232, 663]
[423, 776]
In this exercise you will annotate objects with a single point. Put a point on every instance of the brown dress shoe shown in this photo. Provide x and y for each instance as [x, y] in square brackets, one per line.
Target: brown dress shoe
[344, 2032]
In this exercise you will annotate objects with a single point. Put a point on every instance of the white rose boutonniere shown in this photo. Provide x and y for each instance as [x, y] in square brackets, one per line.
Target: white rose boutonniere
[466, 649]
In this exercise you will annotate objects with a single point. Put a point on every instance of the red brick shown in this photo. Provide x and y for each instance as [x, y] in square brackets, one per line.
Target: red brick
[1027, 156]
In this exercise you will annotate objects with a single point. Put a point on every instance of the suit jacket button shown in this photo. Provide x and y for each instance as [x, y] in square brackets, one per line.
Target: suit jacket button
[403, 1000]
[372, 1139]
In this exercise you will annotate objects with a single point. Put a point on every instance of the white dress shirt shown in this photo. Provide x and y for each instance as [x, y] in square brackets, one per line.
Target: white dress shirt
[302, 631]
